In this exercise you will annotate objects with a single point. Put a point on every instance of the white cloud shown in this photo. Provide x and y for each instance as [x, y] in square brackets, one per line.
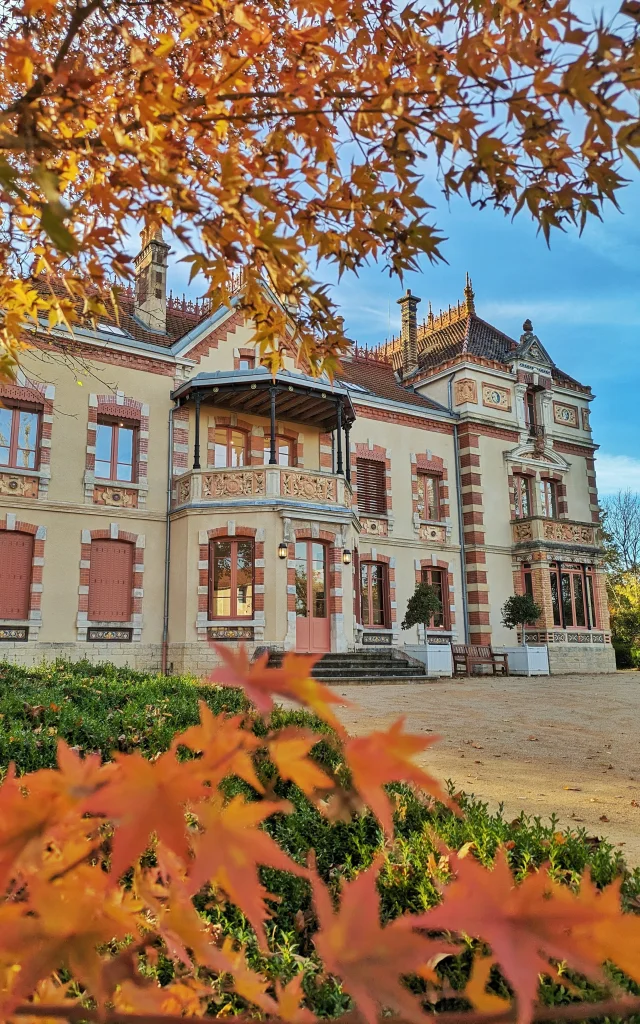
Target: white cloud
[617, 473]
[609, 310]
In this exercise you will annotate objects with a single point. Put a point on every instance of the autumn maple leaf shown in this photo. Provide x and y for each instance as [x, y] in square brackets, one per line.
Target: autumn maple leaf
[142, 797]
[226, 747]
[524, 924]
[382, 757]
[369, 959]
[289, 751]
[232, 847]
[292, 679]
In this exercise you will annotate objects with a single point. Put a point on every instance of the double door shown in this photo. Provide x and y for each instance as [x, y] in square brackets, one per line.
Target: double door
[313, 632]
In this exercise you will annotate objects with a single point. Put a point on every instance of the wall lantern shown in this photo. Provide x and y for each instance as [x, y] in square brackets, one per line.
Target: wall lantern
[346, 556]
[283, 549]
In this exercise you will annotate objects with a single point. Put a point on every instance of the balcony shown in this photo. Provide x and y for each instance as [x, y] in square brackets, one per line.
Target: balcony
[248, 484]
[562, 534]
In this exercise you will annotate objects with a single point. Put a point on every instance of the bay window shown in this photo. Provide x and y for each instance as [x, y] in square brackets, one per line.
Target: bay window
[572, 596]
[19, 432]
[231, 564]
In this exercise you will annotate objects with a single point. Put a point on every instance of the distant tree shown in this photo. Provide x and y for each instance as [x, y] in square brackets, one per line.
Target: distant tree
[518, 610]
[423, 604]
[621, 529]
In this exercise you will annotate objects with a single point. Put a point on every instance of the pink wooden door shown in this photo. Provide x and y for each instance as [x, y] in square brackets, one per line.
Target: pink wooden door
[16, 554]
[313, 632]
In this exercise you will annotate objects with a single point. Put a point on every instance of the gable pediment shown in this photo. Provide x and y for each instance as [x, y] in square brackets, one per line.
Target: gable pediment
[543, 457]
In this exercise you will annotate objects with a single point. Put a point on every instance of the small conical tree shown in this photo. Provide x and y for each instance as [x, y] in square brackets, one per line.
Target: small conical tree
[518, 610]
[422, 605]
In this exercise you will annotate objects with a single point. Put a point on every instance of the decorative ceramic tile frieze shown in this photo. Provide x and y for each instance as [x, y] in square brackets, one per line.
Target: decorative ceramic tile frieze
[565, 415]
[465, 390]
[495, 397]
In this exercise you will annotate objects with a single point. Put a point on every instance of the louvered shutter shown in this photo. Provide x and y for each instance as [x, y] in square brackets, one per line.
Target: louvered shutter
[110, 581]
[16, 554]
[372, 486]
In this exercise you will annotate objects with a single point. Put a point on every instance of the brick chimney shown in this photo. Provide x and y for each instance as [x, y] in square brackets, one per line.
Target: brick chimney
[409, 332]
[151, 280]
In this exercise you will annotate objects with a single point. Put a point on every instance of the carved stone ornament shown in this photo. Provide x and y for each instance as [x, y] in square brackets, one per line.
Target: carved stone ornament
[565, 415]
[183, 491]
[522, 531]
[465, 390]
[309, 487]
[570, 533]
[435, 534]
[495, 397]
[585, 419]
[233, 485]
[375, 527]
[115, 497]
[19, 486]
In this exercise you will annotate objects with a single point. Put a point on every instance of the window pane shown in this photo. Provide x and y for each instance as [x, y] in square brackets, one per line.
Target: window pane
[6, 417]
[436, 582]
[555, 601]
[377, 594]
[221, 597]
[244, 578]
[578, 595]
[318, 581]
[220, 451]
[364, 594]
[27, 439]
[567, 606]
[552, 500]
[124, 469]
[237, 448]
[104, 436]
[284, 452]
[592, 605]
[301, 579]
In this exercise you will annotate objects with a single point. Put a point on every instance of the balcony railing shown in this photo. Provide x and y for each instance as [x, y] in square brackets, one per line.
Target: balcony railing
[554, 531]
[248, 483]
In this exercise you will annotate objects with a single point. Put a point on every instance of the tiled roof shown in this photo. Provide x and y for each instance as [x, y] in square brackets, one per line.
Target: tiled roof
[378, 378]
[472, 336]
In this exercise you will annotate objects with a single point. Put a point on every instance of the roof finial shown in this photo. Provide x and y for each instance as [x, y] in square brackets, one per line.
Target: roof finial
[527, 327]
[469, 295]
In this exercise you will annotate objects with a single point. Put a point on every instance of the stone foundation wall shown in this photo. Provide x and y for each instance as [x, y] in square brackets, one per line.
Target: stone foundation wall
[588, 659]
[141, 657]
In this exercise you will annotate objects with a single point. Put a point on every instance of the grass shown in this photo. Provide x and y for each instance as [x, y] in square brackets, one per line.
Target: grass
[101, 708]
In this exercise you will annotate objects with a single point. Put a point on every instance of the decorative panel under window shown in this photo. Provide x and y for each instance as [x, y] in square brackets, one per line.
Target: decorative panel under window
[16, 555]
[372, 487]
[110, 581]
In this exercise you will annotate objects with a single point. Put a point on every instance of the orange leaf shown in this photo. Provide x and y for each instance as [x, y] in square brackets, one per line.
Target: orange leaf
[289, 752]
[226, 748]
[382, 757]
[369, 959]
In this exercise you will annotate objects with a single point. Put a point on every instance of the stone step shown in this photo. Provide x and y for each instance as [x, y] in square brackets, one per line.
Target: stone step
[365, 667]
[375, 680]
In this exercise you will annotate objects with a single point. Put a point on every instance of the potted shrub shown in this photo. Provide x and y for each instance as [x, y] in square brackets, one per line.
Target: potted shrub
[517, 611]
[423, 604]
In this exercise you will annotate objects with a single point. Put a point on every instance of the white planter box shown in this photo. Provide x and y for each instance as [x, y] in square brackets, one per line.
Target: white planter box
[437, 657]
[527, 661]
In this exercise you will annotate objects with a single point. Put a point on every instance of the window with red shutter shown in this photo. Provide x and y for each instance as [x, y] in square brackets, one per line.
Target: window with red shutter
[371, 480]
[110, 581]
[16, 554]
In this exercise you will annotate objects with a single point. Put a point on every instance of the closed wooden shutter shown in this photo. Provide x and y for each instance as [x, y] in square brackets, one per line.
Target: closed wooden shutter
[110, 581]
[372, 486]
[16, 554]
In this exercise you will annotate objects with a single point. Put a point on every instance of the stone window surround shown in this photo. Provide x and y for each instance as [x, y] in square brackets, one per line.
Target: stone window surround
[431, 465]
[435, 563]
[43, 395]
[535, 477]
[366, 559]
[129, 409]
[39, 534]
[231, 529]
[136, 622]
[375, 452]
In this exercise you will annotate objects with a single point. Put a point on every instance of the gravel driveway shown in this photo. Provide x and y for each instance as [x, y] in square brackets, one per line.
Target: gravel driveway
[569, 744]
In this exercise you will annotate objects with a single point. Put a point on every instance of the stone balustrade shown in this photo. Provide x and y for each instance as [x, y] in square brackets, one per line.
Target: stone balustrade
[246, 483]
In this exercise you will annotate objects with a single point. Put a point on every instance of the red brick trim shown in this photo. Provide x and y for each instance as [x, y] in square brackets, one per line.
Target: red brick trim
[112, 356]
[39, 534]
[369, 412]
[113, 533]
[474, 537]
[244, 353]
[584, 450]
[215, 336]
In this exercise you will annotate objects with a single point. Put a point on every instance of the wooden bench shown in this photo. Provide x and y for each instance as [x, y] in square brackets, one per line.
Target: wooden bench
[467, 656]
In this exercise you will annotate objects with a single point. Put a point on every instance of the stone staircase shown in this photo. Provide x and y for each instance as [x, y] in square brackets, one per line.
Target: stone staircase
[364, 667]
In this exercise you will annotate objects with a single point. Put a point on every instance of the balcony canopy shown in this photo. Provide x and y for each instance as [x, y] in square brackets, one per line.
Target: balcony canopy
[298, 397]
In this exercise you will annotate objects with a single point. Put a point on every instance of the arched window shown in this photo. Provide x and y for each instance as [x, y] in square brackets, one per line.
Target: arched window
[110, 581]
[16, 559]
[230, 448]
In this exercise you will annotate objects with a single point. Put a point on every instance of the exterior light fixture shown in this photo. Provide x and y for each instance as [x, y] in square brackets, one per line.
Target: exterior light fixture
[283, 549]
[346, 556]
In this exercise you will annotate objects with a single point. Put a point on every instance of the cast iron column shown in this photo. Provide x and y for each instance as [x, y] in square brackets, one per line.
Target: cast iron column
[340, 468]
[347, 431]
[272, 453]
[196, 446]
